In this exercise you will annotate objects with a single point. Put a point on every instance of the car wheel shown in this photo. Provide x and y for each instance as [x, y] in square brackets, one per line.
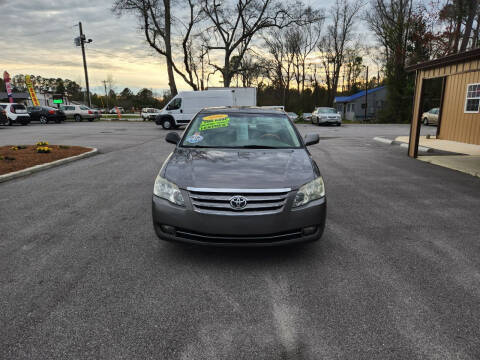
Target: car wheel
[57, 121]
[339, 124]
[425, 121]
[43, 119]
[9, 122]
[167, 124]
[90, 120]
[78, 118]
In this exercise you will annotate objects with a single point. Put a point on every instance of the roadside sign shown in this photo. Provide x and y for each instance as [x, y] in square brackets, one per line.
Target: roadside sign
[8, 86]
[57, 99]
[31, 91]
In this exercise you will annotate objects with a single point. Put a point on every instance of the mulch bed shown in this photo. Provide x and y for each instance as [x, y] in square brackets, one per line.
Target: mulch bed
[25, 158]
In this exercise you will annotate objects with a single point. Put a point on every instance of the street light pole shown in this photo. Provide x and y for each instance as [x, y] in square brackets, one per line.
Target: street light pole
[366, 95]
[82, 44]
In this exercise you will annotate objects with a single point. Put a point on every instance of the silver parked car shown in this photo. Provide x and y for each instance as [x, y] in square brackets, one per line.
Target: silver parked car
[430, 117]
[325, 116]
[239, 176]
[78, 112]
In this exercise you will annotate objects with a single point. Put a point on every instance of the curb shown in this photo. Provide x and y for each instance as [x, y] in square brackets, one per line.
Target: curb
[402, 144]
[38, 168]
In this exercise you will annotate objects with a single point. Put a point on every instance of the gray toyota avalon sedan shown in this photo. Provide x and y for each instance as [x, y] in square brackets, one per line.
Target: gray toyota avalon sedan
[239, 177]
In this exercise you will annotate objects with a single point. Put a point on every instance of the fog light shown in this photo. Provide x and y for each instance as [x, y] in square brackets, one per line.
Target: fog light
[309, 230]
[167, 229]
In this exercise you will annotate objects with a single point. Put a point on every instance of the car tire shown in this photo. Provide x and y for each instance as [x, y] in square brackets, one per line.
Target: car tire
[425, 121]
[57, 121]
[90, 120]
[43, 119]
[167, 124]
[339, 124]
[77, 118]
[9, 122]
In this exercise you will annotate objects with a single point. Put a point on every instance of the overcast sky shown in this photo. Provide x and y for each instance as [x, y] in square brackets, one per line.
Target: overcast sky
[37, 38]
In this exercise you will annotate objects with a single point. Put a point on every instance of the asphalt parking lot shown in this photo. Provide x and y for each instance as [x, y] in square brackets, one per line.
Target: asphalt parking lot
[82, 274]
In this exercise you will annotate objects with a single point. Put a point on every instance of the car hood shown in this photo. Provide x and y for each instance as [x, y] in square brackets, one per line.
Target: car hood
[240, 168]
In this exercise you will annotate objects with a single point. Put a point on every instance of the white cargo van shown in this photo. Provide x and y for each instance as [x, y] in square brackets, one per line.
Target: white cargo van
[183, 107]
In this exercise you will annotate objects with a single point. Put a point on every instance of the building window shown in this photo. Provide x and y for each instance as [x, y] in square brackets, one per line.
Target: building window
[472, 102]
[352, 107]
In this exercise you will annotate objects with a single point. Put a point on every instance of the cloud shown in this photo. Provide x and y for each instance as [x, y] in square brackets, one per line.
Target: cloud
[37, 38]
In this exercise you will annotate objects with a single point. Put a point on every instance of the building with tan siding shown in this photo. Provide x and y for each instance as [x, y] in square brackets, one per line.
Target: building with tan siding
[459, 115]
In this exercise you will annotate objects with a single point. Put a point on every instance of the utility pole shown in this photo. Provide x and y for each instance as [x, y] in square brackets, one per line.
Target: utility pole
[81, 41]
[106, 95]
[366, 95]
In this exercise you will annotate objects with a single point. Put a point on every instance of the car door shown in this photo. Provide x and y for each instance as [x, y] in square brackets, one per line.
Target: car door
[35, 112]
[435, 116]
[174, 108]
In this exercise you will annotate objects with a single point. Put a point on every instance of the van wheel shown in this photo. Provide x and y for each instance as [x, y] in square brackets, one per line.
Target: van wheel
[167, 124]
[78, 118]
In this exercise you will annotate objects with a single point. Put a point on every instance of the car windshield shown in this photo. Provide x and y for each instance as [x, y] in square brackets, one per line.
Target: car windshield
[327, 111]
[241, 130]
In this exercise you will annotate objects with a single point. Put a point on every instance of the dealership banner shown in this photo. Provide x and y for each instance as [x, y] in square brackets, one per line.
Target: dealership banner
[31, 91]
[8, 86]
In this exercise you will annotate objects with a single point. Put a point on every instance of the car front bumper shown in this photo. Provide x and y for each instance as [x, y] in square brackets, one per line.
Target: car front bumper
[329, 121]
[289, 226]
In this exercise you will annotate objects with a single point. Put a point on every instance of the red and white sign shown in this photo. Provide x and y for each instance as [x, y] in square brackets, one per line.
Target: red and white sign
[8, 86]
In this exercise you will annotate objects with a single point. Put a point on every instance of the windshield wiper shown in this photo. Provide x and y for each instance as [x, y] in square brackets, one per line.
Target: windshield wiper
[257, 147]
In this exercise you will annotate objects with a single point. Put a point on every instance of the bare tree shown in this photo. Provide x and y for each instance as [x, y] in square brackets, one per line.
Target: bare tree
[303, 40]
[161, 30]
[334, 44]
[234, 27]
[391, 21]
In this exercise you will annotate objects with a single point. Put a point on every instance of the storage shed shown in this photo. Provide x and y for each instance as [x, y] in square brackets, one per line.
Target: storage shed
[459, 115]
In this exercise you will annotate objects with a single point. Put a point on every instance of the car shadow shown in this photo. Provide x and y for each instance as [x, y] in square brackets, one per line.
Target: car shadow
[245, 255]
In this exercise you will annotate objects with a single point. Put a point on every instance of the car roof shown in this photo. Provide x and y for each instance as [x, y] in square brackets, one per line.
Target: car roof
[242, 109]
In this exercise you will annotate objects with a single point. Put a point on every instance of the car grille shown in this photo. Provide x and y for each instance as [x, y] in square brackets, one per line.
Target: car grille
[333, 117]
[259, 201]
[216, 238]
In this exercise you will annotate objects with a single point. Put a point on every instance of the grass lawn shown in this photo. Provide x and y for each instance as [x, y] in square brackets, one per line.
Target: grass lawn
[14, 157]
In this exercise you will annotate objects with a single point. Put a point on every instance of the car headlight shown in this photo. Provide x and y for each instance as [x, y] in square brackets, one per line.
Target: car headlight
[313, 190]
[168, 191]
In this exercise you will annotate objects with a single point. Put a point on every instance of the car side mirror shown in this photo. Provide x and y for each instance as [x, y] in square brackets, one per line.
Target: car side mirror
[173, 138]
[311, 139]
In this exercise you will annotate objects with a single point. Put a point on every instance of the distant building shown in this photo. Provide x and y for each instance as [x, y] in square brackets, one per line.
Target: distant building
[353, 107]
[45, 99]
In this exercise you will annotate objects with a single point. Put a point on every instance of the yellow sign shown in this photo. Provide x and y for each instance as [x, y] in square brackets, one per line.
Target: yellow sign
[214, 122]
[31, 91]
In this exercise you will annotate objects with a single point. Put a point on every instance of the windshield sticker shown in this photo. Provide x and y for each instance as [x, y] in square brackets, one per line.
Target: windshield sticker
[195, 138]
[214, 122]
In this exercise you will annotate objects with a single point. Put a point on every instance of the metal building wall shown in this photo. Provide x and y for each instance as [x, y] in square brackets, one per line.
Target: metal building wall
[455, 124]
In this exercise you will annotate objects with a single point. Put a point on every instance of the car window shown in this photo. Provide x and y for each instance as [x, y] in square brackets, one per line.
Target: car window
[3, 106]
[175, 104]
[327, 111]
[239, 130]
[83, 107]
[19, 107]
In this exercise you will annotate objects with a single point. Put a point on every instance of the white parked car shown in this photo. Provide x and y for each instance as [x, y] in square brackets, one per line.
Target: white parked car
[326, 115]
[78, 112]
[150, 113]
[16, 113]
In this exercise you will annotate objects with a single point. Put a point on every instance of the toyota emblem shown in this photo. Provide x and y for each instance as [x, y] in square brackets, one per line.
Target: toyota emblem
[238, 202]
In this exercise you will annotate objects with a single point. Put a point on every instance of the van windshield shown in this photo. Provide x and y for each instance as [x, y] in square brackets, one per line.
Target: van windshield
[241, 130]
